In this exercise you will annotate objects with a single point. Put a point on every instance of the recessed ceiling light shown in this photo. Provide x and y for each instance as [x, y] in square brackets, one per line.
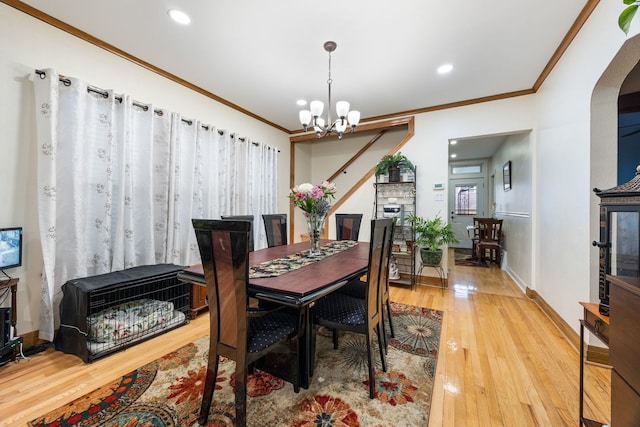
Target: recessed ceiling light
[301, 102]
[453, 156]
[453, 142]
[179, 16]
[445, 68]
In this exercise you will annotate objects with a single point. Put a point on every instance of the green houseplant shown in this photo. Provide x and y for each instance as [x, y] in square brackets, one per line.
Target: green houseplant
[625, 18]
[431, 235]
[392, 163]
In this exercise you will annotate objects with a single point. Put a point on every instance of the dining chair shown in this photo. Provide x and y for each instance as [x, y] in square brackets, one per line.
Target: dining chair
[275, 226]
[348, 226]
[358, 287]
[243, 218]
[237, 331]
[339, 311]
[489, 241]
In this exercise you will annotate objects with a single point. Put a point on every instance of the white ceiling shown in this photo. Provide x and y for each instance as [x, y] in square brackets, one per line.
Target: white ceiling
[476, 148]
[264, 55]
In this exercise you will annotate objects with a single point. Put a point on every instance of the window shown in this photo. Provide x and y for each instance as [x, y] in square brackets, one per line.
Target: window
[466, 201]
[457, 170]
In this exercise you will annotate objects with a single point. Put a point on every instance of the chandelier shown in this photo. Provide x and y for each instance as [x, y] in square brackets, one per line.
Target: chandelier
[311, 118]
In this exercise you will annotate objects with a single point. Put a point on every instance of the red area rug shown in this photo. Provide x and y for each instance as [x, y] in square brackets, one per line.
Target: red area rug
[167, 392]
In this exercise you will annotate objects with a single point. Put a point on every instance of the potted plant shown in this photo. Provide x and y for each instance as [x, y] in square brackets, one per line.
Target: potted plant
[626, 16]
[431, 235]
[391, 164]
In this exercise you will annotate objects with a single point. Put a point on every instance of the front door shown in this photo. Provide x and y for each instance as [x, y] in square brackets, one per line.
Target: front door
[467, 199]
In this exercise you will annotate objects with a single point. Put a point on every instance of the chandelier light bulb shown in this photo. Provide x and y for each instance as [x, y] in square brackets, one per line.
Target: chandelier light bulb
[305, 117]
[354, 118]
[316, 108]
[342, 109]
[319, 125]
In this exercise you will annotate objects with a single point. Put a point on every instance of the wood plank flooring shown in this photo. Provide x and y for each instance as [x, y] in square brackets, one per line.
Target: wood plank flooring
[502, 362]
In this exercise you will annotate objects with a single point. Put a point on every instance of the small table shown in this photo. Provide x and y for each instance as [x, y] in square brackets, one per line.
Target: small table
[598, 325]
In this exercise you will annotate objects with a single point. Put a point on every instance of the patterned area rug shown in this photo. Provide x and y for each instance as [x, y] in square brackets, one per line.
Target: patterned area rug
[168, 391]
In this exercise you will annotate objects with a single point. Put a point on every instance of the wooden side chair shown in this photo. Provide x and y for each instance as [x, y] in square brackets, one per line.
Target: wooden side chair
[339, 311]
[475, 237]
[275, 226]
[489, 241]
[243, 218]
[237, 331]
[348, 226]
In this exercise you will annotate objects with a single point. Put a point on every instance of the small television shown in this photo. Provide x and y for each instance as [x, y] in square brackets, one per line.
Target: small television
[10, 247]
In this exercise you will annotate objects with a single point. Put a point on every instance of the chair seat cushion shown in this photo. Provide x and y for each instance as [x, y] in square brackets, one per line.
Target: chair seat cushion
[489, 244]
[340, 308]
[267, 330]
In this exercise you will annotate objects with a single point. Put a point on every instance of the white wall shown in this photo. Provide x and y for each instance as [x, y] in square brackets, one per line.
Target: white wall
[564, 227]
[27, 44]
[319, 159]
[514, 206]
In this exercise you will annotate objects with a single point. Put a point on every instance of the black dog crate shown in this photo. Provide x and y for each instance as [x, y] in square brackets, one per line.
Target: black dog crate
[109, 312]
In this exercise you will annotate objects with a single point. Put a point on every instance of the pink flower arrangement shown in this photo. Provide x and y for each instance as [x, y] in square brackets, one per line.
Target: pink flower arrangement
[313, 198]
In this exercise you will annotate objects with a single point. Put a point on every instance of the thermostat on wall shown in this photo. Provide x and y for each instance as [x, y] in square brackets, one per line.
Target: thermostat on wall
[438, 186]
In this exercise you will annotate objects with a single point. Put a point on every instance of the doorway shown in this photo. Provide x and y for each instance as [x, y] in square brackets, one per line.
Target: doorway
[467, 199]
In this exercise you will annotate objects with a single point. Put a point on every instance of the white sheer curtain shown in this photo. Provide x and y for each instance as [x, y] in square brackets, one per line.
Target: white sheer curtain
[119, 184]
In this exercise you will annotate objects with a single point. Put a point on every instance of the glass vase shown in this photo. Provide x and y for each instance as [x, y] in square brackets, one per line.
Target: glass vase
[315, 224]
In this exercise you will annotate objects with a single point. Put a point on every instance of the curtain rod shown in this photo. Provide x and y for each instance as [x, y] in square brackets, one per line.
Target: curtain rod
[67, 82]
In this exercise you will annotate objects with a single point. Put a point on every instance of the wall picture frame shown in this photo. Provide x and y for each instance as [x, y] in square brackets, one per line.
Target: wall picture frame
[506, 176]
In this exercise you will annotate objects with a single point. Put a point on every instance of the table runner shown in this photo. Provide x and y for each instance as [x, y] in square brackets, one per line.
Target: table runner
[276, 267]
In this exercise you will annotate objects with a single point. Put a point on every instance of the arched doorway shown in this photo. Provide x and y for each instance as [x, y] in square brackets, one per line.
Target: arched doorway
[604, 136]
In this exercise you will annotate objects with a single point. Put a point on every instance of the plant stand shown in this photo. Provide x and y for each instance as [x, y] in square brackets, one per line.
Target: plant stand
[398, 200]
[438, 268]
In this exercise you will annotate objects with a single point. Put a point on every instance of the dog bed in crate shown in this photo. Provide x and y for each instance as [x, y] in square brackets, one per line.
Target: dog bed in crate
[108, 312]
[129, 322]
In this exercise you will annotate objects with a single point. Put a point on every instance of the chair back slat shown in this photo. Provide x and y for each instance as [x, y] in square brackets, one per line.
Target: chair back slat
[348, 226]
[489, 228]
[380, 229]
[224, 251]
[275, 227]
[248, 218]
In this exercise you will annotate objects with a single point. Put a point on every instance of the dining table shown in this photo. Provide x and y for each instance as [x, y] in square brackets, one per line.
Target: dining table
[301, 287]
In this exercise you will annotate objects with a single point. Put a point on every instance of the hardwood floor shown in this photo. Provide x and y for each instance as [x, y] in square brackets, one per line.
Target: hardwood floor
[502, 362]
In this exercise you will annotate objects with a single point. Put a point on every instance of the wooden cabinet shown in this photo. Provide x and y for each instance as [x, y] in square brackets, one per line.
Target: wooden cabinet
[398, 200]
[624, 350]
[198, 300]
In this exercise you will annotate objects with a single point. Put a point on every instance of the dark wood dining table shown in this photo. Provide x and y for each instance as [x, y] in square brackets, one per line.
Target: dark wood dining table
[299, 288]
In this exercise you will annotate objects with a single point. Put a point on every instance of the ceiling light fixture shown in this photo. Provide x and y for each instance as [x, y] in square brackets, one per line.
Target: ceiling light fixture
[179, 16]
[445, 68]
[311, 117]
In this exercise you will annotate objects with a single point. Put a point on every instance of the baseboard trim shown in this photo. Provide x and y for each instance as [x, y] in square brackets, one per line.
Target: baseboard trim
[594, 353]
[31, 338]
